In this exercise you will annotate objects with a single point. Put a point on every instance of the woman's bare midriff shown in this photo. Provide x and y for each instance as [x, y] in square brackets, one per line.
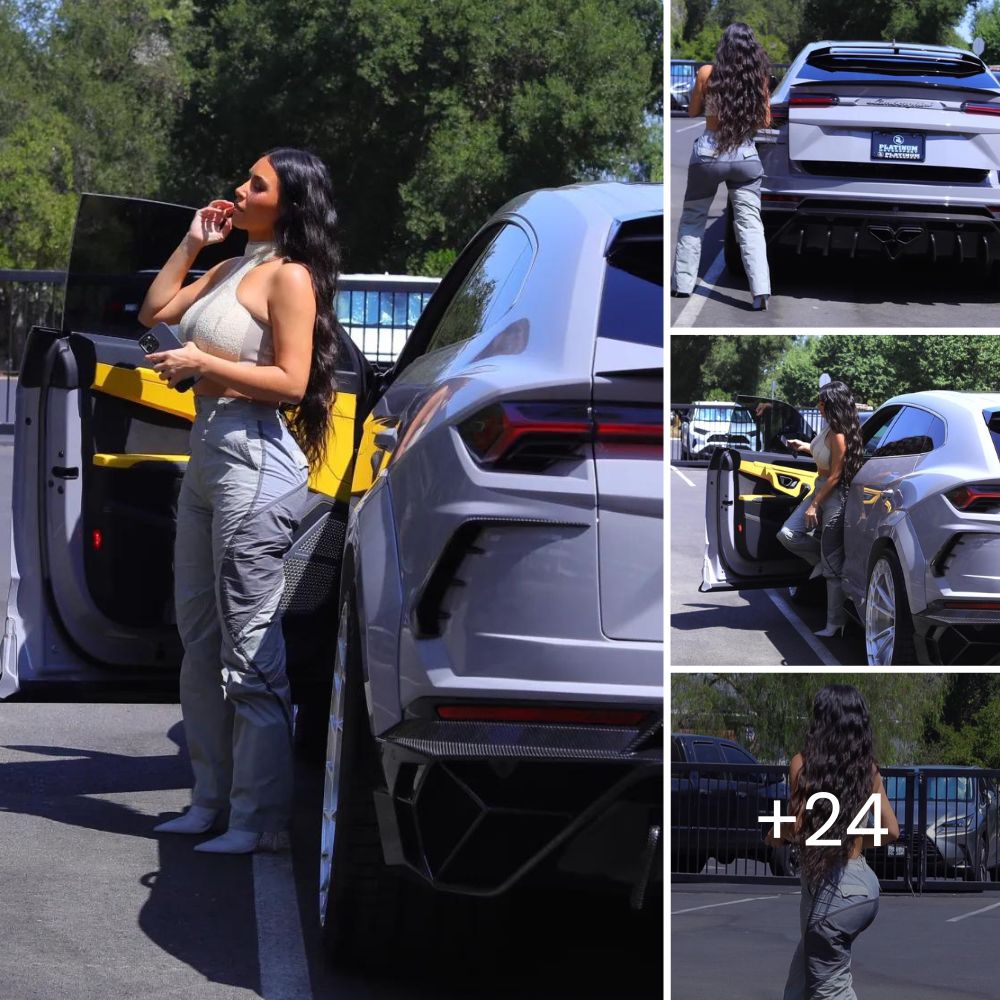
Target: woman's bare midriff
[209, 387]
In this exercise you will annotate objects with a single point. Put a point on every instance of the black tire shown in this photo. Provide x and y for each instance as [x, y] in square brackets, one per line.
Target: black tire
[980, 872]
[784, 860]
[731, 246]
[903, 648]
[367, 901]
[312, 715]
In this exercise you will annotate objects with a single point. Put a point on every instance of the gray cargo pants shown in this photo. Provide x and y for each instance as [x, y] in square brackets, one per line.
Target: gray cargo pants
[242, 497]
[830, 921]
[824, 546]
[741, 170]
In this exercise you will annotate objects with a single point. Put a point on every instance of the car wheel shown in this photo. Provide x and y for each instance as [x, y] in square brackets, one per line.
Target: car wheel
[360, 898]
[980, 872]
[784, 860]
[888, 622]
[731, 246]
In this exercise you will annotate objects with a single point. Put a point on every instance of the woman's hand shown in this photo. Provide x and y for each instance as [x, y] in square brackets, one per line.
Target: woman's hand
[795, 444]
[175, 366]
[812, 516]
[213, 223]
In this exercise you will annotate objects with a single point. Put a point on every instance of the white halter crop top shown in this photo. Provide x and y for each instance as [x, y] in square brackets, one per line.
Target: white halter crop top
[220, 324]
[820, 450]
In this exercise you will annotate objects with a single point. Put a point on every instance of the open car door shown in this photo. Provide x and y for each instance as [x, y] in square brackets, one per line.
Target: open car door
[749, 495]
[100, 447]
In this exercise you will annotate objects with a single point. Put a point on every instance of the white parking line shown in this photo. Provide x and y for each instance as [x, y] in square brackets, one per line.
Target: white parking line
[814, 644]
[699, 297]
[955, 920]
[284, 973]
[681, 474]
[731, 902]
[687, 128]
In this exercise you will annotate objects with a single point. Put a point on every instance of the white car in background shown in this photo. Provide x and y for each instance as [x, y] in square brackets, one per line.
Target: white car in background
[717, 424]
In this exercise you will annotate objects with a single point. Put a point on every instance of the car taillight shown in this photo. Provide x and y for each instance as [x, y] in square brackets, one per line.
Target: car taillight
[813, 100]
[972, 605]
[532, 436]
[975, 498]
[975, 108]
[791, 200]
[533, 713]
[779, 115]
[96, 539]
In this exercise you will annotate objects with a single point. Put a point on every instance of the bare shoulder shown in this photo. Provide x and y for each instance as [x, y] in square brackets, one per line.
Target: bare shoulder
[796, 764]
[290, 278]
[704, 72]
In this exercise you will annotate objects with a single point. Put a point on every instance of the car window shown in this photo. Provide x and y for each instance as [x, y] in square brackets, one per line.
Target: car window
[734, 755]
[707, 753]
[876, 427]
[632, 297]
[676, 753]
[913, 432]
[489, 289]
[992, 418]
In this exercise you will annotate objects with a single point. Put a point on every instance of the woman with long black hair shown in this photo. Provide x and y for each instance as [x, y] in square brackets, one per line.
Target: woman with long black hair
[734, 94]
[838, 453]
[261, 337]
[840, 892]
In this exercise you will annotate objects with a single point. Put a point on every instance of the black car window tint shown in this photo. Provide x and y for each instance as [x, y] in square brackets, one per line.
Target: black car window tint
[707, 753]
[910, 434]
[676, 753]
[632, 297]
[734, 755]
[875, 429]
[489, 289]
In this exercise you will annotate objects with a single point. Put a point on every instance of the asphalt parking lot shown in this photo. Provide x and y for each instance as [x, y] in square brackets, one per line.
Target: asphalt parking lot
[732, 628]
[98, 907]
[815, 290]
[729, 940]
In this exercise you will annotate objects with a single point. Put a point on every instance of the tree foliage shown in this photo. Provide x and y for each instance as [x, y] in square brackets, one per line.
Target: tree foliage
[878, 366]
[770, 713]
[430, 115]
[986, 25]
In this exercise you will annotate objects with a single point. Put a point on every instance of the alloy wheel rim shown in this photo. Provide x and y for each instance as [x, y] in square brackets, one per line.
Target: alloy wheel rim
[331, 778]
[880, 616]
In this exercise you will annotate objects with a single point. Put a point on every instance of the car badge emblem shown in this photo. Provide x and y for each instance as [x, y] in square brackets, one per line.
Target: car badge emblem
[898, 139]
[893, 239]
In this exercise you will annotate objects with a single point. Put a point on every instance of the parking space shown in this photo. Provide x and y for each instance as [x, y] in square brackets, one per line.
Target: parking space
[748, 628]
[919, 948]
[816, 290]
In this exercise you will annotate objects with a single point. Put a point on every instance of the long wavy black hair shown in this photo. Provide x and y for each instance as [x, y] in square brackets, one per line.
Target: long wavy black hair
[838, 757]
[739, 86]
[841, 414]
[306, 232]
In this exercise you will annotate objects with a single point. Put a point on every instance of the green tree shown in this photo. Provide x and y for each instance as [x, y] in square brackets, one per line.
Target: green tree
[430, 115]
[930, 21]
[986, 25]
[744, 364]
[771, 712]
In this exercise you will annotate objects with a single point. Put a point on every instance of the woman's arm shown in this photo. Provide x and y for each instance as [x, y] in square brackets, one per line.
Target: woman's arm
[167, 301]
[800, 447]
[789, 836]
[838, 448]
[886, 817]
[292, 310]
[697, 102]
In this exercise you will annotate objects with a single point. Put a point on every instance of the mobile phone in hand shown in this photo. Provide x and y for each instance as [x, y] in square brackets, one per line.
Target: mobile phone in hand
[162, 338]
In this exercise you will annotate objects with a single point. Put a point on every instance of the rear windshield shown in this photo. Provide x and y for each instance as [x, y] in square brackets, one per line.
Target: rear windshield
[955, 71]
[992, 418]
[718, 413]
[632, 301]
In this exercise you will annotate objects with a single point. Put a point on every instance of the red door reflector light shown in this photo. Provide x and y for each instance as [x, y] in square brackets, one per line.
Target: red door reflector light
[96, 539]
